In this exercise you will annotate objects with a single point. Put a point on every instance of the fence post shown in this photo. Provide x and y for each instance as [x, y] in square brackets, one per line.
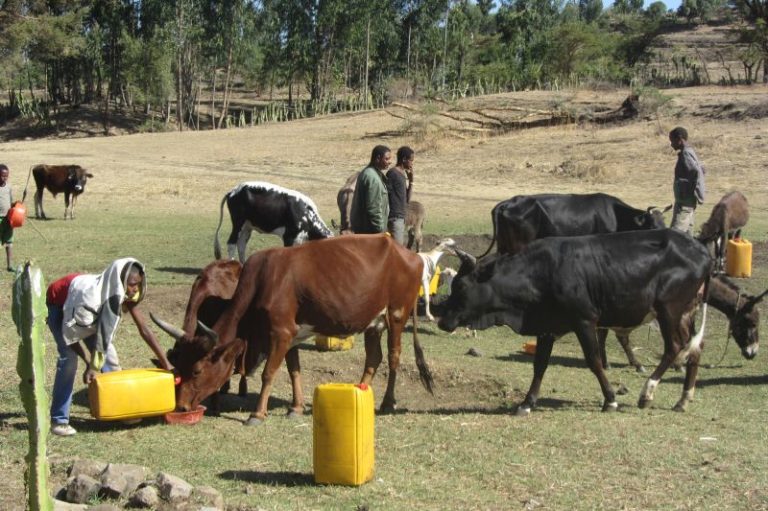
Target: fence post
[29, 312]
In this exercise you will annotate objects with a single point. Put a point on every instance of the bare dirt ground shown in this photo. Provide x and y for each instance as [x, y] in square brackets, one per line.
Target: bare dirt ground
[458, 179]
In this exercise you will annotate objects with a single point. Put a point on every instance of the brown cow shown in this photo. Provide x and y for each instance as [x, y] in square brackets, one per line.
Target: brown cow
[728, 216]
[294, 292]
[209, 297]
[69, 179]
[414, 218]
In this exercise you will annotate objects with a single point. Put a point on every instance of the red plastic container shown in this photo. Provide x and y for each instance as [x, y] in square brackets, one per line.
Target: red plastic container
[189, 418]
[17, 214]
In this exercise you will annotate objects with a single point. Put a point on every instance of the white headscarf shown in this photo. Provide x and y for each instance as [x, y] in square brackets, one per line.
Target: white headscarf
[93, 304]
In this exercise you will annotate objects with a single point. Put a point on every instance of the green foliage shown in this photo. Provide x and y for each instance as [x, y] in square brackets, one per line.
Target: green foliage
[29, 314]
[702, 9]
[656, 10]
[159, 54]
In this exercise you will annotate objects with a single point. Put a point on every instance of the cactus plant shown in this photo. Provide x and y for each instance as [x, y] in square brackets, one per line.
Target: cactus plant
[29, 313]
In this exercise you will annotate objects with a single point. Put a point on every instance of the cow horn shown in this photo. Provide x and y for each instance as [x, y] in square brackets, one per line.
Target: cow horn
[208, 332]
[169, 329]
[465, 257]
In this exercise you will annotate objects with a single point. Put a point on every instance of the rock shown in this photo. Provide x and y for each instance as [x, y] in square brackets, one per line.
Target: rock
[91, 468]
[82, 488]
[473, 352]
[172, 487]
[60, 505]
[104, 507]
[208, 497]
[60, 492]
[145, 497]
[113, 485]
[134, 475]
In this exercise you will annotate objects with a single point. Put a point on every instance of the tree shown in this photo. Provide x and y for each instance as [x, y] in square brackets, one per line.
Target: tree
[590, 10]
[755, 12]
[656, 10]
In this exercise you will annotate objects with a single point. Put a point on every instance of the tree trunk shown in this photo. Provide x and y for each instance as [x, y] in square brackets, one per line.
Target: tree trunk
[179, 64]
[213, 98]
[227, 85]
[367, 58]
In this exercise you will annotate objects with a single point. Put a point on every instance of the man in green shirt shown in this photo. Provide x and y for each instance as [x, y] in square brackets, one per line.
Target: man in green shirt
[370, 205]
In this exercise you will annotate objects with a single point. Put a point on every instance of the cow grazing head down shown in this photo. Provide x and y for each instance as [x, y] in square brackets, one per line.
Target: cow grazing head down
[268, 208]
[288, 294]
[470, 302]
[200, 362]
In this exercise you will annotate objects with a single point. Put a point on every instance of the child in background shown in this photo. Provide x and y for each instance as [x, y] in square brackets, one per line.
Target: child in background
[6, 201]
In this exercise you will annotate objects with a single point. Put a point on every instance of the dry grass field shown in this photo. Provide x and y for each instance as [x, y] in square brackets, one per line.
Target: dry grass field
[157, 196]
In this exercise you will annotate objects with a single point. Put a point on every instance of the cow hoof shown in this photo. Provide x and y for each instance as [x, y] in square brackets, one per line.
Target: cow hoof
[643, 403]
[254, 421]
[523, 411]
[640, 369]
[294, 414]
[679, 408]
[611, 407]
[388, 408]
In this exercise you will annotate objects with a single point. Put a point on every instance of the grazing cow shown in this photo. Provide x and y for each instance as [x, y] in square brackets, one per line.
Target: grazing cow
[414, 217]
[725, 296]
[524, 218]
[69, 179]
[728, 216]
[430, 260]
[270, 209]
[289, 294]
[209, 297]
[575, 284]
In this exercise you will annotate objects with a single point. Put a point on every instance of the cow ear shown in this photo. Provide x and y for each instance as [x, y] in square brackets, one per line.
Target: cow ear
[89, 175]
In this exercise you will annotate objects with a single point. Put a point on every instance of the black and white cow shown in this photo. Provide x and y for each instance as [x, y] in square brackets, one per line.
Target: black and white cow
[524, 218]
[272, 209]
[575, 284]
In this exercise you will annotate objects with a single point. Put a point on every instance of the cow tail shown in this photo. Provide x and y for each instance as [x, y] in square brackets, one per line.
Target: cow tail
[493, 240]
[425, 375]
[216, 245]
[695, 345]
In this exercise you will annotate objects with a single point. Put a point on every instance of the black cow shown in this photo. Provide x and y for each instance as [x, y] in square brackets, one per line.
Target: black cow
[270, 209]
[575, 284]
[69, 179]
[524, 218]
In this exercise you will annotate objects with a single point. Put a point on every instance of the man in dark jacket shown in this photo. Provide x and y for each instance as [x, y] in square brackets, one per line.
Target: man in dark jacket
[688, 185]
[399, 186]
